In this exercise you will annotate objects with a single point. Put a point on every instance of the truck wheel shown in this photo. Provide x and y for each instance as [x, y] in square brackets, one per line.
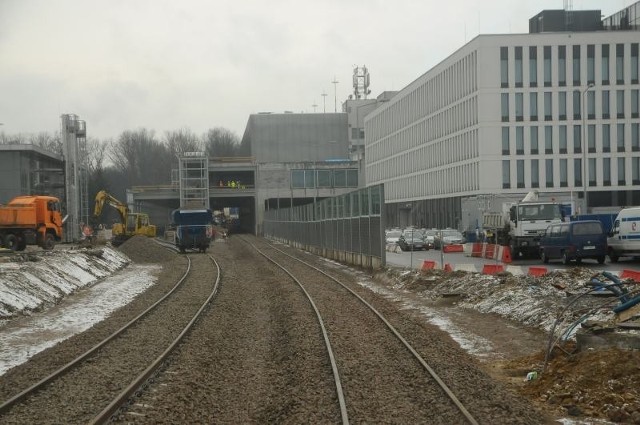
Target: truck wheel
[613, 256]
[544, 257]
[49, 242]
[22, 244]
[600, 259]
[11, 242]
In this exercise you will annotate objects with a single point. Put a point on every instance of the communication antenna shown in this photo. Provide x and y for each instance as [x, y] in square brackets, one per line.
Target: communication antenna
[335, 93]
[361, 82]
[324, 101]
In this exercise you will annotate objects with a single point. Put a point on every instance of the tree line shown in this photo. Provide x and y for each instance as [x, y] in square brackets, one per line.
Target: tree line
[137, 157]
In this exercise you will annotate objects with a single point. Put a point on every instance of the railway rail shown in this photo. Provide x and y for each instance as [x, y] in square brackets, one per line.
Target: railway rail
[93, 387]
[316, 292]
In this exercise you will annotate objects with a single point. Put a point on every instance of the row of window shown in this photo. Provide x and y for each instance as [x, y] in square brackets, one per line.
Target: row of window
[605, 53]
[558, 101]
[598, 139]
[457, 148]
[451, 85]
[458, 117]
[311, 179]
[596, 168]
[445, 181]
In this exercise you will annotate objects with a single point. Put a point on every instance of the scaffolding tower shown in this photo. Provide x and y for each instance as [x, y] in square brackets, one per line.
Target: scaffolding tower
[73, 133]
[193, 170]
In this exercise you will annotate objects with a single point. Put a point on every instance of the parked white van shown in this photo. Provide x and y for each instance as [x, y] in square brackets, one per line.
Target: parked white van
[624, 239]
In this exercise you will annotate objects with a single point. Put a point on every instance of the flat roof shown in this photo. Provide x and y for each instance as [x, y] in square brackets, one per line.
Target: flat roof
[30, 148]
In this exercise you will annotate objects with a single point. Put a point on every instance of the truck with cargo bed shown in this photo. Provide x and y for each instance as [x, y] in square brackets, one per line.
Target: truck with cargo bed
[31, 220]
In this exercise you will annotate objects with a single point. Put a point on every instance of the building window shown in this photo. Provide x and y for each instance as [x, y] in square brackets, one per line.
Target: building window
[605, 64]
[622, 181]
[620, 137]
[577, 172]
[548, 165]
[576, 65]
[504, 67]
[505, 107]
[577, 139]
[606, 171]
[518, 64]
[547, 66]
[576, 105]
[506, 174]
[591, 137]
[519, 140]
[324, 178]
[297, 179]
[520, 173]
[562, 66]
[548, 113]
[635, 142]
[634, 63]
[563, 173]
[548, 139]
[562, 105]
[592, 171]
[533, 133]
[605, 104]
[635, 171]
[619, 63]
[591, 105]
[519, 107]
[533, 66]
[635, 105]
[562, 138]
[505, 141]
[620, 103]
[345, 178]
[606, 138]
[591, 65]
[535, 173]
[533, 106]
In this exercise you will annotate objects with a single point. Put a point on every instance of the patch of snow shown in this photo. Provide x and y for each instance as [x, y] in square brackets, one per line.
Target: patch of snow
[28, 336]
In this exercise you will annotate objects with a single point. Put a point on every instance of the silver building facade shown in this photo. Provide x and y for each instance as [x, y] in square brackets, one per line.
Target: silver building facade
[506, 114]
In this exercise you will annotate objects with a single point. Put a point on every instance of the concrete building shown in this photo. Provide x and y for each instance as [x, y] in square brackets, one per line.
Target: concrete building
[294, 160]
[506, 114]
[29, 170]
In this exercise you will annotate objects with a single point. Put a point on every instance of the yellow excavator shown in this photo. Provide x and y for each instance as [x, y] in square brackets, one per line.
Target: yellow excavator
[131, 224]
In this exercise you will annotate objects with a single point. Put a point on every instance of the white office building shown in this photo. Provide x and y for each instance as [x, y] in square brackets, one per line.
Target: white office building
[506, 114]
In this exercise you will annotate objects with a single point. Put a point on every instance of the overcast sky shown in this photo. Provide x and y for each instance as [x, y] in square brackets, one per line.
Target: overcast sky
[163, 65]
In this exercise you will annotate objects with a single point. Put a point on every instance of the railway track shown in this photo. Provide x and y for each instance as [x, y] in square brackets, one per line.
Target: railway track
[93, 387]
[382, 370]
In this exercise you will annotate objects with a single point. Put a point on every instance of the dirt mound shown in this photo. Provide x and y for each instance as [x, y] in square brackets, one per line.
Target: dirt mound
[598, 384]
[142, 249]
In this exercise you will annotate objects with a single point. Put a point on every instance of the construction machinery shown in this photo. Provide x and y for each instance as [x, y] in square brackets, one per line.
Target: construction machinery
[131, 224]
[31, 220]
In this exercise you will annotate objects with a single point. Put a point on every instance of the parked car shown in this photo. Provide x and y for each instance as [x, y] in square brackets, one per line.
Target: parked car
[448, 237]
[575, 240]
[412, 240]
[430, 236]
[392, 236]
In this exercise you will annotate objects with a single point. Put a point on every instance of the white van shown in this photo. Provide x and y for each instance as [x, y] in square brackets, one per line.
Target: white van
[624, 239]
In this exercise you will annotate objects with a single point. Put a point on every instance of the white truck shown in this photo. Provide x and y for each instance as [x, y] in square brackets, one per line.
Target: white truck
[521, 224]
[624, 239]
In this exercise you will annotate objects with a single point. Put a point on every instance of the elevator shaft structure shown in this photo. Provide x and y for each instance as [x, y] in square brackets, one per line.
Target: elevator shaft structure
[73, 134]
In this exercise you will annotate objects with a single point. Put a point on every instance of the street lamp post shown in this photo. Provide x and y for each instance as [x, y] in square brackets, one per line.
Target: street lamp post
[584, 148]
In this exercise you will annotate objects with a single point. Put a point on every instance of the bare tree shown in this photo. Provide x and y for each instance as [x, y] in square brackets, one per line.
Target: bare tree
[221, 142]
[141, 158]
[12, 139]
[182, 140]
[48, 141]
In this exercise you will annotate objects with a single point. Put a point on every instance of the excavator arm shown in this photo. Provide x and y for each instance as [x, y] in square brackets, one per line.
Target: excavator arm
[103, 198]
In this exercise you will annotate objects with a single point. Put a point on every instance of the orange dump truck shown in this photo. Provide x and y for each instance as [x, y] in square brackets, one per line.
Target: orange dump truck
[30, 220]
